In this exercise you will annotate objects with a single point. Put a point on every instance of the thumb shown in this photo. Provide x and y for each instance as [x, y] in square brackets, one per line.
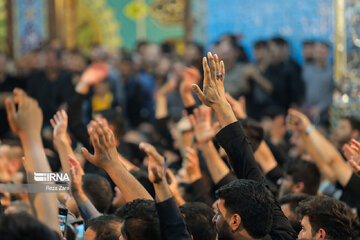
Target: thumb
[10, 108]
[87, 155]
[200, 94]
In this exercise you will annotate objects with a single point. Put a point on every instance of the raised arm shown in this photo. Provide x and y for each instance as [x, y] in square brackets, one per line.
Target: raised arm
[323, 152]
[61, 140]
[106, 157]
[190, 76]
[25, 119]
[172, 223]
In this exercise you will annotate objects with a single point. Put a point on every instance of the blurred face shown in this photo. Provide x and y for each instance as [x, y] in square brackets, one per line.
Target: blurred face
[102, 88]
[321, 52]
[226, 52]
[275, 52]
[222, 227]
[126, 68]
[286, 186]
[191, 53]
[343, 132]
[298, 145]
[52, 63]
[308, 51]
[260, 54]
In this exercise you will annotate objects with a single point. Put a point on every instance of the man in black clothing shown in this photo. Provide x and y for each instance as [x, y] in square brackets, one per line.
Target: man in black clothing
[52, 87]
[233, 139]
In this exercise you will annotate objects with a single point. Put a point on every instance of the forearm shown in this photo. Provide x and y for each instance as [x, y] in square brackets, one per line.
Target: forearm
[224, 113]
[44, 203]
[161, 107]
[178, 198]
[187, 98]
[126, 182]
[265, 158]
[64, 150]
[217, 167]
[264, 83]
[162, 191]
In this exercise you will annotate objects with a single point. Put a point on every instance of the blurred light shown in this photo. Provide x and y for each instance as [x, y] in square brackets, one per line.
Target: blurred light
[345, 98]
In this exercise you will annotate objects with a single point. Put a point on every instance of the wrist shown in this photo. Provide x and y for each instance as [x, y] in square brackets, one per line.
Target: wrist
[82, 88]
[221, 105]
[194, 177]
[309, 129]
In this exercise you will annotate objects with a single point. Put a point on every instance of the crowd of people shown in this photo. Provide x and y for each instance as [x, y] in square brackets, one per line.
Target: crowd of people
[162, 146]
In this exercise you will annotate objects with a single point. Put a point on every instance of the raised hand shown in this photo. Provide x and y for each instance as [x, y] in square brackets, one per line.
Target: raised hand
[24, 114]
[297, 121]
[201, 122]
[59, 122]
[77, 172]
[352, 154]
[168, 87]
[94, 74]
[238, 107]
[103, 141]
[192, 165]
[190, 76]
[156, 167]
[213, 87]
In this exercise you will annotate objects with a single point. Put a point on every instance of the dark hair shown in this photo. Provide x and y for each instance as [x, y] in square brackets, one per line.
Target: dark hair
[98, 190]
[306, 172]
[279, 41]
[252, 201]
[19, 226]
[140, 220]
[308, 42]
[261, 44]
[332, 215]
[254, 132]
[324, 43]
[107, 227]
[293, 199]
[199, 47]
[143, 178]
[114, 118]
[354, 122]
[198, 217]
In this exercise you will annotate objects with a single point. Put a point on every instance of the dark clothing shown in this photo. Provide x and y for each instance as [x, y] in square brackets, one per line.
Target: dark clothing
[172, 223]
[233, 139]
[201, 192]
[351, 193]
[50, 94]
[7, 86]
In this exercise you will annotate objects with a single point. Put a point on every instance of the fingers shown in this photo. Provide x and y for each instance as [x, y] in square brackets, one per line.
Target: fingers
[20, 95]
[355, 166]
[200, 94]
[212, 68]
[230, 99]
[10, 108]
[87, 155]
[207, 73]
[222, 70]
[242, 101]
[192, 120]
[151, 152]
[356, 144]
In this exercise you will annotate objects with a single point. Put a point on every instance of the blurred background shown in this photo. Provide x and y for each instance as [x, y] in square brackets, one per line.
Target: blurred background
[158, 34]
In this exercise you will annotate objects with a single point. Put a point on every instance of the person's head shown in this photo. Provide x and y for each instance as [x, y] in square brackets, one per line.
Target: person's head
[102, 88]
[23, 226]
[279, 49]
[19, 206]
[98, 190]
[325, 218]
[53, 59]
[106, 227]
[348, 128]
[244, 209]
[321, 52]
[300, 177]
[297, 144]
[193, 52]
[228, 50]
[308, 51]
[198, 217]
[289, 203]
[272, 117]
[261, 50]
[140, 220]
[126, 66]
[10, 158]
[254, 132]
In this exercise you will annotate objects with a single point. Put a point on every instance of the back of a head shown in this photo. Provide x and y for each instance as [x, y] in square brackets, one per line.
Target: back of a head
[198, 217]
[306, 172]
[116, 120]
[253, 202]
[19, 226]
[98, 190]
[261, 44]
[140, 220]
[254, 132]
[106, 227]
[327, 213]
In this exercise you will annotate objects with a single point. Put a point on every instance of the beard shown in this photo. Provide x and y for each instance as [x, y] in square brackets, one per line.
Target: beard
[224, 231]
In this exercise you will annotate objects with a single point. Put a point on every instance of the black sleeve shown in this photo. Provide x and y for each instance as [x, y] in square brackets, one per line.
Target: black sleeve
[351, 192]
[225, 180]
[172, 223]
[274, 175]
[233, 139]
[76, 127]
[201, 192]
[237, 146]
[161, 126]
